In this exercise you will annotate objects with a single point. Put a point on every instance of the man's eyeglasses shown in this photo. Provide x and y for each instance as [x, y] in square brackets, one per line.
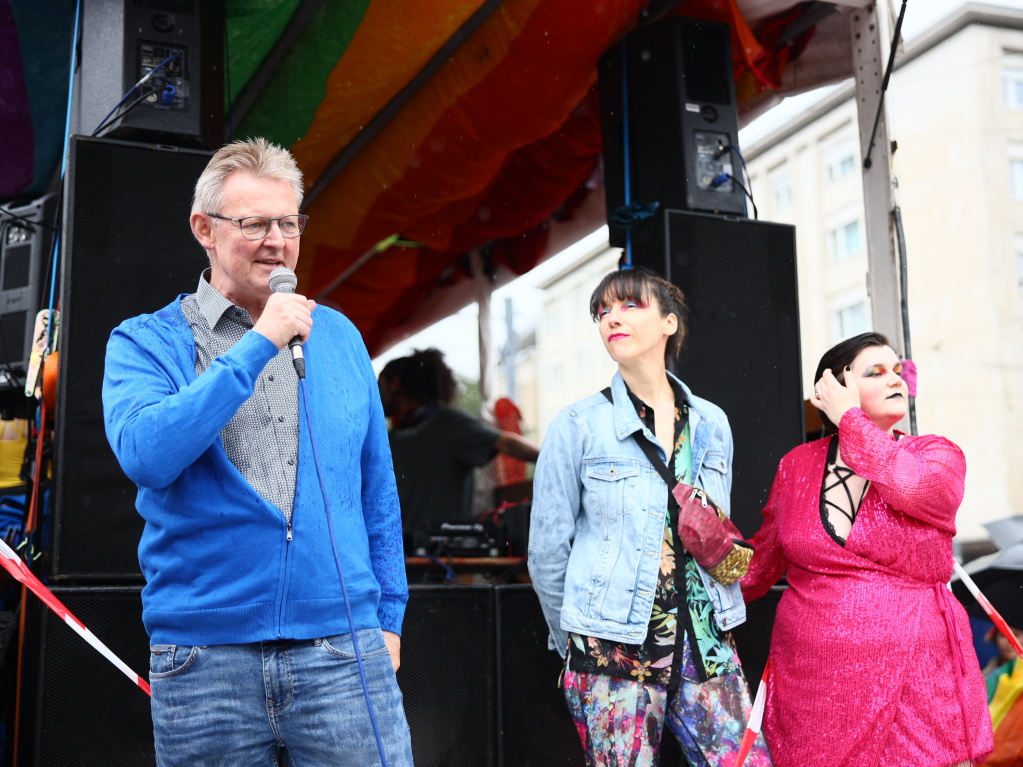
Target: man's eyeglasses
[258, 227]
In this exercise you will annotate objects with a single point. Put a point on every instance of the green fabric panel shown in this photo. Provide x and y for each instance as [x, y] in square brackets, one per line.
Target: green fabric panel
[287, 105]
[253, 27]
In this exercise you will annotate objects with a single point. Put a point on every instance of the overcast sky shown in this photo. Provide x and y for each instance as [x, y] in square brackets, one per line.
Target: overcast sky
[456, 336]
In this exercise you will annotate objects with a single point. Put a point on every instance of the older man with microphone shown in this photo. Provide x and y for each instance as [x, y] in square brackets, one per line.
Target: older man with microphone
[275, 584]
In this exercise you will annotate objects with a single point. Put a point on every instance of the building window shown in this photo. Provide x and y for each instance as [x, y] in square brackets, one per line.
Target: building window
[1019, 262]
[1016, 179]
[554, 376]
[850, 320]
[840, 159]
[845, 240]
[781, 189]
[553, 320]
[1013, 81]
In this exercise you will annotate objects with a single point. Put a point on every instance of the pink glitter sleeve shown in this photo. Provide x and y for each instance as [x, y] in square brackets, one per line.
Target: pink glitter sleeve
[769, 562]
[923, 477]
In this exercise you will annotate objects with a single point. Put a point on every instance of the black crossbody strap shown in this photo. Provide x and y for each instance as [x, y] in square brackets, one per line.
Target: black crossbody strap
[684, 616]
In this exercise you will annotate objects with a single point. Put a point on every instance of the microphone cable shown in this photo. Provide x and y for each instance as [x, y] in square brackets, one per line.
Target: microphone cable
[341, 575]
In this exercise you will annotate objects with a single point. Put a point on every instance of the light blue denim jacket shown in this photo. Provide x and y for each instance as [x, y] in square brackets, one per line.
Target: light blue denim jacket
[598, 511]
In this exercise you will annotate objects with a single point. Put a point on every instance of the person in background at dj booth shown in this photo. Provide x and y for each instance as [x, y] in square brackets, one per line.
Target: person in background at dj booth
[246, 477]
[436, 446]
[635, 565]
[871, 658]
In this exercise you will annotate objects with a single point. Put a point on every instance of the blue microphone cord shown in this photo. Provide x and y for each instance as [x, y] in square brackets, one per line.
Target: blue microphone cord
[341, 575]
[626, 149]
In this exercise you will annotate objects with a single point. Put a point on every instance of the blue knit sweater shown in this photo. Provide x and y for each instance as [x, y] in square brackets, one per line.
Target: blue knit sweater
[218, 564]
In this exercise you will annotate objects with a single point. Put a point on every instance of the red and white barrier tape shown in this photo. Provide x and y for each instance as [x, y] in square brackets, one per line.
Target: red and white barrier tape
[16, 566]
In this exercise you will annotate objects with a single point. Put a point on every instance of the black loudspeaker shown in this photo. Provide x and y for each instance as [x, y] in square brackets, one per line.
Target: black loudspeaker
[464, 649]
[124, 40]
[26, 238]
[447, 675]
[669, 118]
[127, 250]
[76, 707]
[741, 350]
[535, 728]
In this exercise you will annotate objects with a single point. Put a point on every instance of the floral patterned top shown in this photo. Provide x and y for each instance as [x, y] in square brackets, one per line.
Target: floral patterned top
[704, 650]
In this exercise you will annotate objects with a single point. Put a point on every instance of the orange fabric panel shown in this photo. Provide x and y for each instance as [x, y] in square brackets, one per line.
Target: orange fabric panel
[531, 186]
[529, 95]
[393, 43]
[383, 162]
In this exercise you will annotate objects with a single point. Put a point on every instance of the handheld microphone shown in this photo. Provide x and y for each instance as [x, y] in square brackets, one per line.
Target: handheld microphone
[283, 280]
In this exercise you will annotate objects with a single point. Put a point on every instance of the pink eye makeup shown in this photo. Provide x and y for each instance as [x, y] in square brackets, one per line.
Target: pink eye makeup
[626, 304]
[879, 370]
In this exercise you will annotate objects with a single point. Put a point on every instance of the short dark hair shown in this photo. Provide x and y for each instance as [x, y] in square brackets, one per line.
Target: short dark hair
[424, 376]
[641, 284]
[841, 355]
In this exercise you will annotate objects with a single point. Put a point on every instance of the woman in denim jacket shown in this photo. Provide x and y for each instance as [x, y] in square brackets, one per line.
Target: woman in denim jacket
[644, 635]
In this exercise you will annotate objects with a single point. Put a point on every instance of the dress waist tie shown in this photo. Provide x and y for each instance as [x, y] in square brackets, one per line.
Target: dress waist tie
[955, 638]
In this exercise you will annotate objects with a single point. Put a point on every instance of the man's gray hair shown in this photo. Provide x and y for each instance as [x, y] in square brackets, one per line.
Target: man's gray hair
[257, 157]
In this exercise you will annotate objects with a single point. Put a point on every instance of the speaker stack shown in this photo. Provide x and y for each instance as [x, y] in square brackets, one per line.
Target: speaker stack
[178, 45]
[149, 79]
[669, 119]
[670, 137]
[741, 349]
[480, 686]
[26, 240]
[127, 249]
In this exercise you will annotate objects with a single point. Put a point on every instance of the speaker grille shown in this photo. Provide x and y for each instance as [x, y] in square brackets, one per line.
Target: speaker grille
[12, 337]
[447, 675]
[536, 729]
[82, 710]
[107, 277]
[17, 265]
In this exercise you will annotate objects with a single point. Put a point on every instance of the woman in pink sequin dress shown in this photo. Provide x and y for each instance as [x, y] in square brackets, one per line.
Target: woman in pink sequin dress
[871, 658]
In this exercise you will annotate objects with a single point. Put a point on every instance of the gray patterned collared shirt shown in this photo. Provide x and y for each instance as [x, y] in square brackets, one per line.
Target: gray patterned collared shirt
[262, 438]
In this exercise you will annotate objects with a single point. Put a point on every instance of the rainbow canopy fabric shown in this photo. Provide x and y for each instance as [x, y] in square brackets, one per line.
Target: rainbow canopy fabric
[499, 143]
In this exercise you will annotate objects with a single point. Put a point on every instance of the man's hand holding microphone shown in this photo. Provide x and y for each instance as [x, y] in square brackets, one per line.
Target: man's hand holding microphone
[287, 317]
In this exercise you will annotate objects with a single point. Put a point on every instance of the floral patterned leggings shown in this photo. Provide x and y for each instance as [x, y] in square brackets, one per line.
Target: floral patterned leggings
[619, 721]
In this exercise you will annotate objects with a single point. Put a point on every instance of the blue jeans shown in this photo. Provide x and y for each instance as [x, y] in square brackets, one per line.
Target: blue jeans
[243, 705]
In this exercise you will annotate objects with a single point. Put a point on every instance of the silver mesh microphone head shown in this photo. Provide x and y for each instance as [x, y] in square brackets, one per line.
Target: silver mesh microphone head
[283, 280]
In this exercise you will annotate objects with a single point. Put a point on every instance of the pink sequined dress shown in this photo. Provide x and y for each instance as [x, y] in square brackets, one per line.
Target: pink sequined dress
[871, 658]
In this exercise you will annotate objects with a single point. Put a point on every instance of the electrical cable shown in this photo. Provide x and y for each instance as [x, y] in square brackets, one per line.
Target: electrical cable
[134, 88]
[111, 118]
[28, 221]
[626, 159]
[450, 573]
[742, 163]
[884, 84]
[30, 520]
[723, 177]
[900, 236]
[341, 575]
